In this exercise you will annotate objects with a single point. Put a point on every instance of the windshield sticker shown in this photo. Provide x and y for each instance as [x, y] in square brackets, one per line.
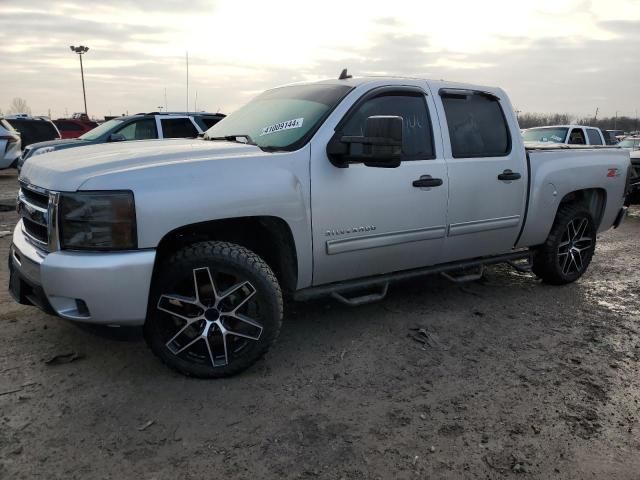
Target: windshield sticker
[286, 125]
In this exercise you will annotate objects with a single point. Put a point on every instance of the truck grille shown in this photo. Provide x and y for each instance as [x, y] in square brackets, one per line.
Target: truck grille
[34, 210]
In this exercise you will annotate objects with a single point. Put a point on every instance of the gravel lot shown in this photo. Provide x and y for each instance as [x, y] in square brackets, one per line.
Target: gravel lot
[514, 379]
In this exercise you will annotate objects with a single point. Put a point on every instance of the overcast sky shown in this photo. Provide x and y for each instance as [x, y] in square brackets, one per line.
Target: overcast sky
[562, 56]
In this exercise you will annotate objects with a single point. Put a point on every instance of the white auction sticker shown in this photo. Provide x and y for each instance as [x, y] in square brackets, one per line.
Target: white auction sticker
[278, 127]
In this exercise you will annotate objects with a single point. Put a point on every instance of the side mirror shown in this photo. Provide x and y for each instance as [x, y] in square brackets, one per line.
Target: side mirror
[116, 137]
[381, 145]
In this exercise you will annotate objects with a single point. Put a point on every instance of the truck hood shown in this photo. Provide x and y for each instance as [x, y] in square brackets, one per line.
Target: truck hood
[70, 142]
[68, 169]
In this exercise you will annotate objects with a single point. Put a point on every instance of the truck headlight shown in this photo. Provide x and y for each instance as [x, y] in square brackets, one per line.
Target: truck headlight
[97, 221]
[42, 150]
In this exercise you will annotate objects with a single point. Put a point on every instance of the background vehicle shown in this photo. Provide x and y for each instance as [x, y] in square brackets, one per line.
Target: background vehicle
[610, 138]
[631, 143]
[10, 145]
[614, 134]
[33, 129]
[73, 127]
[634, 196]
[143, 126]
[330, 188]
[569, 134]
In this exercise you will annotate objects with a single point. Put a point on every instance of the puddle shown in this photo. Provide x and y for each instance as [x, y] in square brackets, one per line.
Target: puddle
[616, 296]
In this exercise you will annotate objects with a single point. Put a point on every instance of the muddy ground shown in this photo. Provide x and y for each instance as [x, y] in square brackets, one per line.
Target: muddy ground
[515, 379]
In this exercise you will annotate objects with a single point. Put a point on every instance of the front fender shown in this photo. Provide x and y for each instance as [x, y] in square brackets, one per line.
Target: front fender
[170, 196]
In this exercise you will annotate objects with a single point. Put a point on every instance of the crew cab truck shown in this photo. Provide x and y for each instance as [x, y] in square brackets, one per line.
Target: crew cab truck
[568, 134]
[332, 188]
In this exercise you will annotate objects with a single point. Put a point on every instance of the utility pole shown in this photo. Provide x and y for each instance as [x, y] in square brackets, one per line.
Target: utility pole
[615, 121]
[81, 50]
[187, 56]
[165, 100]
[595, 119]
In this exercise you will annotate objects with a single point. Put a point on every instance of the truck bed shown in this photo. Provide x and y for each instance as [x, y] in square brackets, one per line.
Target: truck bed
[555, 170]
[530, 146]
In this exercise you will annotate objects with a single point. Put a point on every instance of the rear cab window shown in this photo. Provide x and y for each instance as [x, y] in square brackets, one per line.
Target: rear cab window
[477, 125]
[594, 136]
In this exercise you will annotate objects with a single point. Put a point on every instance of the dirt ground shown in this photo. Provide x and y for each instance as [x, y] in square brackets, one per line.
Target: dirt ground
[514, 379]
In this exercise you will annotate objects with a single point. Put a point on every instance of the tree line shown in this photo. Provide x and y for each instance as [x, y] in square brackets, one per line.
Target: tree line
[529, 120]
[18, 105]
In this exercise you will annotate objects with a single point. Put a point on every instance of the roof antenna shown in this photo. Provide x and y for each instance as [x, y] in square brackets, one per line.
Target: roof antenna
[344, 75]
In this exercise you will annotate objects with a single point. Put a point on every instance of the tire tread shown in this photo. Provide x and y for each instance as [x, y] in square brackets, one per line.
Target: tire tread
[240, 256]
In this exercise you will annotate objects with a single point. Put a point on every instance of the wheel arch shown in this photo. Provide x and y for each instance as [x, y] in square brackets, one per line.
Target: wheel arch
[269, 237]
[546, 203]
[593, 199]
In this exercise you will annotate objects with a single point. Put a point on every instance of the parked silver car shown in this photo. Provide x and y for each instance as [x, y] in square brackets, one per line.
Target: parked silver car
[10, 145]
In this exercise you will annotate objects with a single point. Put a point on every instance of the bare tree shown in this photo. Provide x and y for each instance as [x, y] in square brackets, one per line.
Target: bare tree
[528, 120]
[19, 105]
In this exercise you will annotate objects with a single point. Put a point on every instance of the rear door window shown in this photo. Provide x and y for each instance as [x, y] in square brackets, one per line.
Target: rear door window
[477, 125]
[594, 136]
[178, 128]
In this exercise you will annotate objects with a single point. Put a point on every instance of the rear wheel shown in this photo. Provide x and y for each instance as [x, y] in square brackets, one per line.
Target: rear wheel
[215, 310]
[568, 250]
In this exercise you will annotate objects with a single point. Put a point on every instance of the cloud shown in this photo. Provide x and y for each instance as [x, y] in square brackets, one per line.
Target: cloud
[573, 64]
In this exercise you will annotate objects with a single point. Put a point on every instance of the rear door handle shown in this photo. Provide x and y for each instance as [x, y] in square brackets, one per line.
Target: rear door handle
[426, 181]
[509, 175]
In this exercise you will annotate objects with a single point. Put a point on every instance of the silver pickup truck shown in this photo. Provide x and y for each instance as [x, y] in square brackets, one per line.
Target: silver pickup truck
[335, 188]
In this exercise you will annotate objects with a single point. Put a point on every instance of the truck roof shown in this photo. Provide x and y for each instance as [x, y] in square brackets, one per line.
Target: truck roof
[358, 81]
[563, 126]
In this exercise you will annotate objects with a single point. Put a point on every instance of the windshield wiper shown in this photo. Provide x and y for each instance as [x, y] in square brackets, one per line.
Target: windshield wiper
[235, 138]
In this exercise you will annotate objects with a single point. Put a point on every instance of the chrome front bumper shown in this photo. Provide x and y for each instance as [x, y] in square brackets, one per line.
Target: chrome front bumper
[106, 288]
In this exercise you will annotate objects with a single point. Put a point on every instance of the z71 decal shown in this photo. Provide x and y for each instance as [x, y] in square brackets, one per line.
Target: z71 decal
[278, 127]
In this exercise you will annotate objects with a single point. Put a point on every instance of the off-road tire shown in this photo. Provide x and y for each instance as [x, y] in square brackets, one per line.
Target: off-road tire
[548, 258]
[218, 259]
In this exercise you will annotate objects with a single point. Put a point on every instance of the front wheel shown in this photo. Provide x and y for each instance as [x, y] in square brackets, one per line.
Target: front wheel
[568, 250]
[215, 309]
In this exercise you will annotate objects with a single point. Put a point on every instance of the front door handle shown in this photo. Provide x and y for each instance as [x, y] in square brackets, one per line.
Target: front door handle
[426, 181]
[509, 175]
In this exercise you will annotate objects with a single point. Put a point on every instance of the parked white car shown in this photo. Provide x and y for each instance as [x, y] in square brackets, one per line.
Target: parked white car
[10, 145]
[568, 134]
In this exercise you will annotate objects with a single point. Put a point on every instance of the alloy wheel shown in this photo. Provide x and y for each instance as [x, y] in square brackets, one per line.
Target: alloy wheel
[211, 318]
[574, 246]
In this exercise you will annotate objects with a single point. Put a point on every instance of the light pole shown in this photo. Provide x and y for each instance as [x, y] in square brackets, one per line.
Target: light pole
[81, 50]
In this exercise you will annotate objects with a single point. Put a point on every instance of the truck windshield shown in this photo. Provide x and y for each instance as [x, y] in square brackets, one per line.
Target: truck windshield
[283, 118]
[630, 143]
[100, 130]
[547, 134]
